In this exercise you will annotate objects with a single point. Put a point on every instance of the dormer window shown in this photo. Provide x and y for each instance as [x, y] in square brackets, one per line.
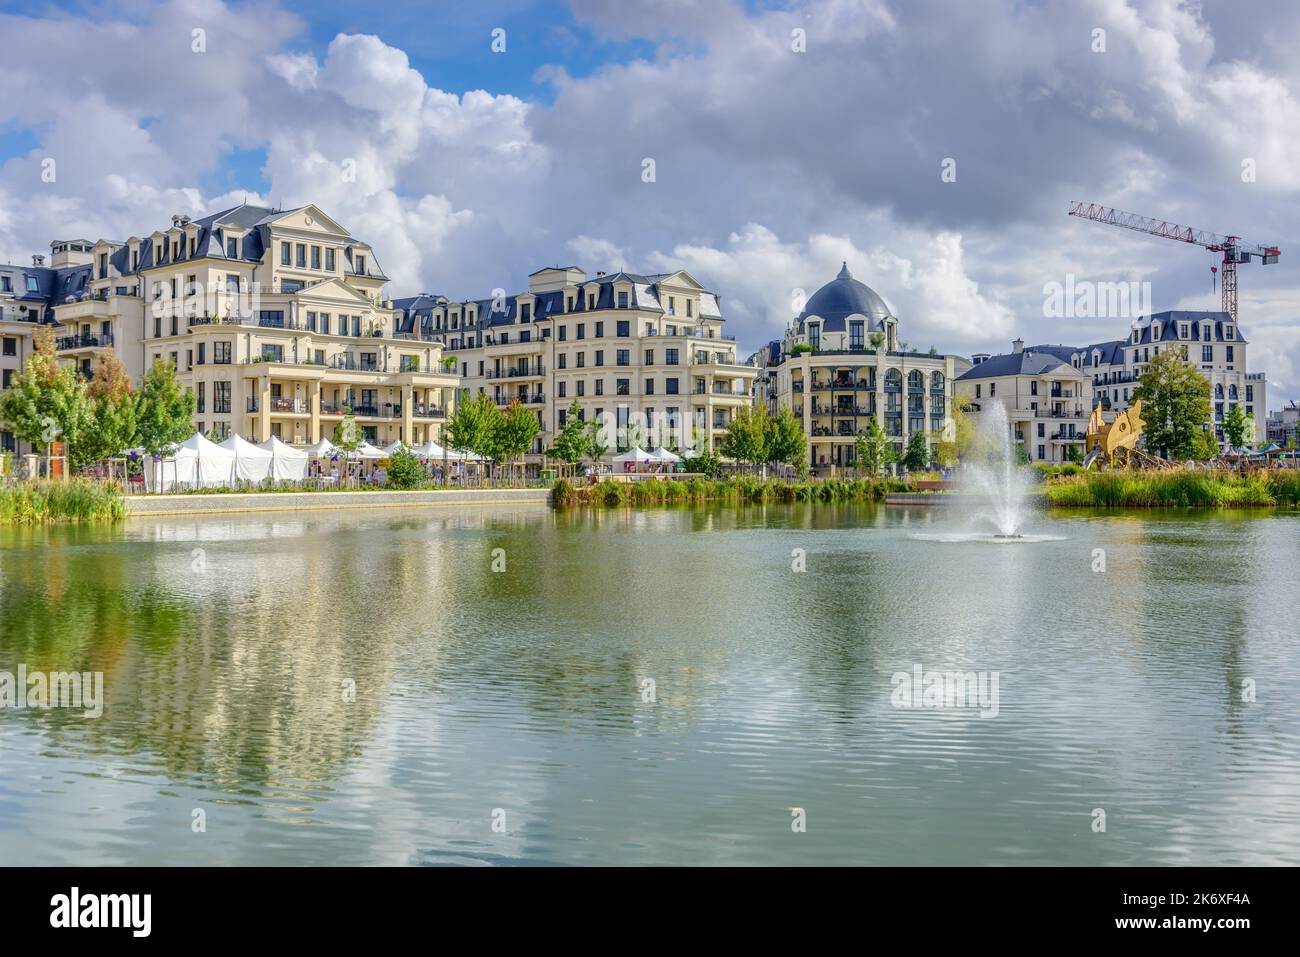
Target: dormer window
[1155, 332]
[1228, 332]
[232, 248]
[622, 300]
[1183, 331]
[361, 265]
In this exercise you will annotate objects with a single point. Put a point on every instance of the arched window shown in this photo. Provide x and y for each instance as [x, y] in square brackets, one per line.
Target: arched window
[893, 380]
[1232, 392]
[915, 381]
[936, 381]
[1218, 390]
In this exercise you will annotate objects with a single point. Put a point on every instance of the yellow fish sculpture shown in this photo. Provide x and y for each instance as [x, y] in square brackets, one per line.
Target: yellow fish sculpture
[1120, 435]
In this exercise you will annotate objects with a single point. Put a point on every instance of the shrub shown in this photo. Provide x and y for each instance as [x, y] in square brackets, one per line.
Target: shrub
[404, 469]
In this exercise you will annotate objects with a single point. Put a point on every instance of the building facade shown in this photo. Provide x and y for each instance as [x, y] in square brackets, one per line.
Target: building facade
[1211, 341]
[841, 364]
[276, 319]
[1283, 427]
[1047, 400]
[644, 355]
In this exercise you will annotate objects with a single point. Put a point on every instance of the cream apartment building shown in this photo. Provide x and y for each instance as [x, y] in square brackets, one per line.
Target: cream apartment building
[276, 319]
[1211, 341]
[1047, 399]
[842, 363]
[644, 355]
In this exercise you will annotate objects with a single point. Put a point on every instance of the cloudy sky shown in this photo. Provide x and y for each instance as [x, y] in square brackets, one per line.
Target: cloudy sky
[785, 137]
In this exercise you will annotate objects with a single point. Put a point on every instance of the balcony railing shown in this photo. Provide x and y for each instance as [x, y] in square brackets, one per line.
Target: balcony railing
[422, 411]
[84, 341]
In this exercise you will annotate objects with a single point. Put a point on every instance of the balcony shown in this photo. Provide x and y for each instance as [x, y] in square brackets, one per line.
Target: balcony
[516, 373]
[422, 410]
[88, 341]
[353, 364]
[296, 406]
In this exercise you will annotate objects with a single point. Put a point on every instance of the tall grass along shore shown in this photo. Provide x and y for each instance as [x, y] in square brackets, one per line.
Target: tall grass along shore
[1180, 489]
[77, 500]
[735, 490]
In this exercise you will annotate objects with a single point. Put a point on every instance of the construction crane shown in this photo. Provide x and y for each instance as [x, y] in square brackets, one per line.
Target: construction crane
[1235, 250]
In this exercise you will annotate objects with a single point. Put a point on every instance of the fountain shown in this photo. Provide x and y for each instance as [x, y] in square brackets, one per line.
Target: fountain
[993, 485]
[993, 477]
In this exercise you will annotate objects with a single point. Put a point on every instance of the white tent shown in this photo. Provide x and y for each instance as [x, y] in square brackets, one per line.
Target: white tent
[252, 464]
[324, 449]
[432, 450]
[196, 463]
[664, 455]
[395, 447]
[287, 463]
[638, 455]
[367, 451]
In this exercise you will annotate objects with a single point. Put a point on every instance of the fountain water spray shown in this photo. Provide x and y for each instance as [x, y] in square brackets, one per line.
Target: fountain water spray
[992, 474]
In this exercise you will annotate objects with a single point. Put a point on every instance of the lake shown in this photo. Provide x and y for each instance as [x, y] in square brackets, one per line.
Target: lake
[682, 686]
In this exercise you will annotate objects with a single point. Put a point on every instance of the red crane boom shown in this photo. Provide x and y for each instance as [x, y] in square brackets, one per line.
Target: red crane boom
[1234, 248]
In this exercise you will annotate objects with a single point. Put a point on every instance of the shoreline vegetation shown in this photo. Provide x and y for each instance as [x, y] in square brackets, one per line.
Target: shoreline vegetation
[89, 500]
[567, 494]
[1266, 488]
[76, 500]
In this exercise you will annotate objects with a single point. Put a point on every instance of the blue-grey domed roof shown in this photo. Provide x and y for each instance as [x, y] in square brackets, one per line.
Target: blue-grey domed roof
[844, 296]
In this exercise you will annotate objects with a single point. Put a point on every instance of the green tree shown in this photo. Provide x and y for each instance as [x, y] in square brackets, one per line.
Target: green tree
[1234, 426]
[164, 411]
[746, 438]
[112, 408]
[570, 443]
[476, 425]
[47, 402]
[596, 447]
[786, 442]
[516, 429]
[1207, 447]
[957, 439]
[1175, 404]
[873, 448]
[347, 436]
[917, 454]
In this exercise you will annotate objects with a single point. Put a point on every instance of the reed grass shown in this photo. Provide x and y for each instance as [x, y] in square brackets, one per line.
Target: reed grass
[76, 500]
[655, 492]
[1175, 489]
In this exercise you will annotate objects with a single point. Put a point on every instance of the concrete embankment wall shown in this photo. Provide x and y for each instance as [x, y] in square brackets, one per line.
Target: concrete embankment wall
[312, 501]
[952, 500]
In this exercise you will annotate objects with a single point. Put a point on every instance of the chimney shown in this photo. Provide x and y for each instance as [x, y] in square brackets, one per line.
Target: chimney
[38, 260]
[1017, 345]
[599, 274]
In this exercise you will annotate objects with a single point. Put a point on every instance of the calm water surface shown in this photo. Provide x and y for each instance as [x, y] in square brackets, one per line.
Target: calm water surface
[522, 690]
